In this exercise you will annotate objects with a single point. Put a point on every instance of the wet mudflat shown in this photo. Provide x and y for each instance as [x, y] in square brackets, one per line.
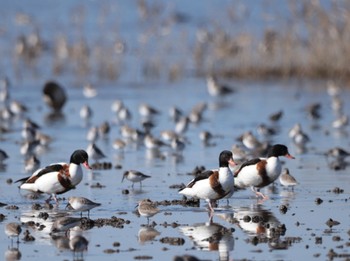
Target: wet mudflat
[131, 57]
[310, 220]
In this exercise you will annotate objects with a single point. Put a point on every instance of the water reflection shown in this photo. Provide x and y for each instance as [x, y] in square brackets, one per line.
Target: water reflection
[12, 254]
[211, 236]
[261, 225]
[54, 118]
[256, 220]
[287, 196]
[3, 167]
[147, 233]
[55, 227]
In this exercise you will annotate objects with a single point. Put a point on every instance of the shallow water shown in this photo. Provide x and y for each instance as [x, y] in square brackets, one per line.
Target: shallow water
[231, 235]
[304, 221]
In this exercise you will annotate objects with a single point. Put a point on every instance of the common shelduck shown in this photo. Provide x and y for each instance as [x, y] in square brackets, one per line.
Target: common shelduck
[57, 178]
[213, 185]
[260, 172]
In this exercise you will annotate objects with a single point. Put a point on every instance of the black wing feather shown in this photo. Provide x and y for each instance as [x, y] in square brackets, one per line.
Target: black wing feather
[247, 163]
[47, 169]
[50, 168]
[203, 175]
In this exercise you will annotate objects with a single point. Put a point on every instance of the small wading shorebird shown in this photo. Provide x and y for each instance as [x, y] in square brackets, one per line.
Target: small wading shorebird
[81, 204]
[260, 172]
[134, 176]
[287, 180]
[147, 208]
[57, 178]
[213, 185]
[13, 229]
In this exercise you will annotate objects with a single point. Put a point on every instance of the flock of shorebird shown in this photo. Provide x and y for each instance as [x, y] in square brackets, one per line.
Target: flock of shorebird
[210, 185]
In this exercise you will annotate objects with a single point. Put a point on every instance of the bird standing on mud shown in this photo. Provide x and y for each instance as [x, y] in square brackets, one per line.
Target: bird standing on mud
[260, 172]
[213, 185]
[57, 178]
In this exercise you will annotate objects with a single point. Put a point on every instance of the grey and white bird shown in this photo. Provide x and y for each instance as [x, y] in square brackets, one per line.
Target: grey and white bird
[175, 113]
[298, 136]
[93, 134]
[286, 179]
[13, 230]
[95, 152]
[89, 91]
[81, 204]
[341, 121]
[134, 176]
[119, 144]
[178, 144]
[18, 108]
[147, 208]
[181, 125]
[85, 112]
[152, 142]
[31, 164]
[217, 89]
[250, 141]
[338, 153]
[146, 110]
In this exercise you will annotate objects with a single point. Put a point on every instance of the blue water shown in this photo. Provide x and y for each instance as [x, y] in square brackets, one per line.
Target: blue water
[228, 117]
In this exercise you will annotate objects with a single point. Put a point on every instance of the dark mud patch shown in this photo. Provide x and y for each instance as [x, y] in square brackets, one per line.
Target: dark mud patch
[97, 185]
[192, 202]
[113, 222]
[174, 241]
[143, 257]
[28, 237]
[102, 165]
[12, 207]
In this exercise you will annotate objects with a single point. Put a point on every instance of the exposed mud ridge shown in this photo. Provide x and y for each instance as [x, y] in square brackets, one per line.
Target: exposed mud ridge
[27, 236]
[174, 241]
[97, 185]
[100, 222]
[332, 254]
[101, 165]
[12, 207]
[192, 202]
[143, 257]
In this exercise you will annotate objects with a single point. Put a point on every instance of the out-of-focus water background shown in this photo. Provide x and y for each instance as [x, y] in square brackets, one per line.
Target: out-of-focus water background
[276, 55]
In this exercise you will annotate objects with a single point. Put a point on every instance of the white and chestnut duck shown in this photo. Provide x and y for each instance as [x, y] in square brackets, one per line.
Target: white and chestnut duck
[260, 172]
[213, 185]
[57, 178]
